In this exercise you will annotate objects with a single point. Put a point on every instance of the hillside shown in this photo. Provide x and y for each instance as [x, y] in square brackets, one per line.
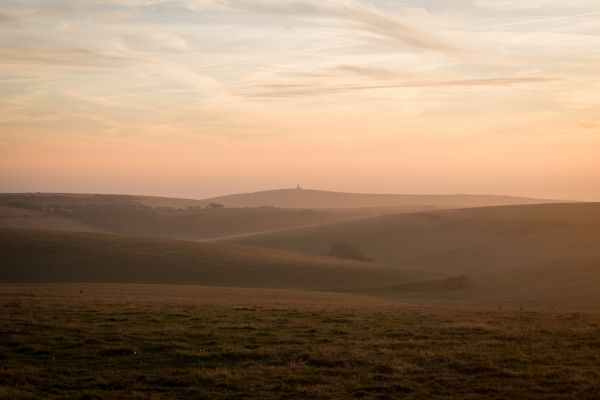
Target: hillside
[530, 254]
[195, 219]
[22, 218]
[131, 216]
[42, 200]
[46, 256]
[319, 199]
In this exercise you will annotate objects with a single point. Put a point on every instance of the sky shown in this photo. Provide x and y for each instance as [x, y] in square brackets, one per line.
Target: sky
[196, 98]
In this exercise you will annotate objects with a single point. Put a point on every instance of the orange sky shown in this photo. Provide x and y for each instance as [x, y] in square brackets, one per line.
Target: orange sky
[204, 97]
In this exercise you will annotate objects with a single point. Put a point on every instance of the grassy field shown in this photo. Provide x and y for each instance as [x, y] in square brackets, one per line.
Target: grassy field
[136, 341]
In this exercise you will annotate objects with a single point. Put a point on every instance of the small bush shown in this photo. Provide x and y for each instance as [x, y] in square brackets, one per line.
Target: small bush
[456, 283]
[348, 251]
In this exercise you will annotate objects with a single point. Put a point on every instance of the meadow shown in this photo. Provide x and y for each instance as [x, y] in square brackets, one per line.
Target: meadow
[166, 341]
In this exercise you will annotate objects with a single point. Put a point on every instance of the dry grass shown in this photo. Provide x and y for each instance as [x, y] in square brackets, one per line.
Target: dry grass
[135, 341]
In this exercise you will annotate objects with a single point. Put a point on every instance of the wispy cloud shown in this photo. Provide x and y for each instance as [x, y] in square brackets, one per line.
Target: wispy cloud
[532, 4]
[367, 71]
[385, 26]
[306, 90]
[544, 20]
[60, 56]
[25, 14]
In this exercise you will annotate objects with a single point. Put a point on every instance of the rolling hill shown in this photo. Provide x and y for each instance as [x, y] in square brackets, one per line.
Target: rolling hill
[43, 200]
[127, 215]
[22, 218]
[319, 199]
[195, 219]
[547, 255]
[49, 256]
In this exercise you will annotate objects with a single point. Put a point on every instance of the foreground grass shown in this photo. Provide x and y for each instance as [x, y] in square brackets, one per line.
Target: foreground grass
[134, 341]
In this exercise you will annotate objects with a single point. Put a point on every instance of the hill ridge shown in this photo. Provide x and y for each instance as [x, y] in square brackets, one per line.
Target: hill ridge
[313, 198]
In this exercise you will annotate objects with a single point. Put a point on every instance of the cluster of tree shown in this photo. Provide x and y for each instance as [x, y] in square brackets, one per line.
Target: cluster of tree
[348, 251]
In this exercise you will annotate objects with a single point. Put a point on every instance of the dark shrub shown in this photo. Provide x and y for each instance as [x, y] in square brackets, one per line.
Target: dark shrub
[456, 282]
[349, 251]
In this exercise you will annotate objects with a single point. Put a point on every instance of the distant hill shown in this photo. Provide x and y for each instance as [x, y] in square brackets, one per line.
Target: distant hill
[546, 254]
[22, 218]
[152, 216]
[47, 256]
[41, 200]
[318, 199]
[196, 219]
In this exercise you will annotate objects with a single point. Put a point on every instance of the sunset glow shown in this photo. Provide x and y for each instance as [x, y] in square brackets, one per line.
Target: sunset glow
[195, 98]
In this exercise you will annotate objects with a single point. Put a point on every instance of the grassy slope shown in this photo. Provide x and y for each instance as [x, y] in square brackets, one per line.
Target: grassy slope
[47, 256]
[293, 198]
[181, 342]
[189, 219]
[544, 254]
[130, 219]
[21, 218]
[41, 199]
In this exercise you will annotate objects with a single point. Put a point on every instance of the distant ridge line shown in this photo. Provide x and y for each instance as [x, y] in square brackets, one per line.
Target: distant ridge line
[311, 198]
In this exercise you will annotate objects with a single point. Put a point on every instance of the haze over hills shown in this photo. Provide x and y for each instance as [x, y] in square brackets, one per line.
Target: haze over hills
[284, 198]
[153, 216]
[23, 218]
[545, 254]
[206, 219]
[191, 224]
[320, 199]
[50, 256]
[535, 254]
[80, 199]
